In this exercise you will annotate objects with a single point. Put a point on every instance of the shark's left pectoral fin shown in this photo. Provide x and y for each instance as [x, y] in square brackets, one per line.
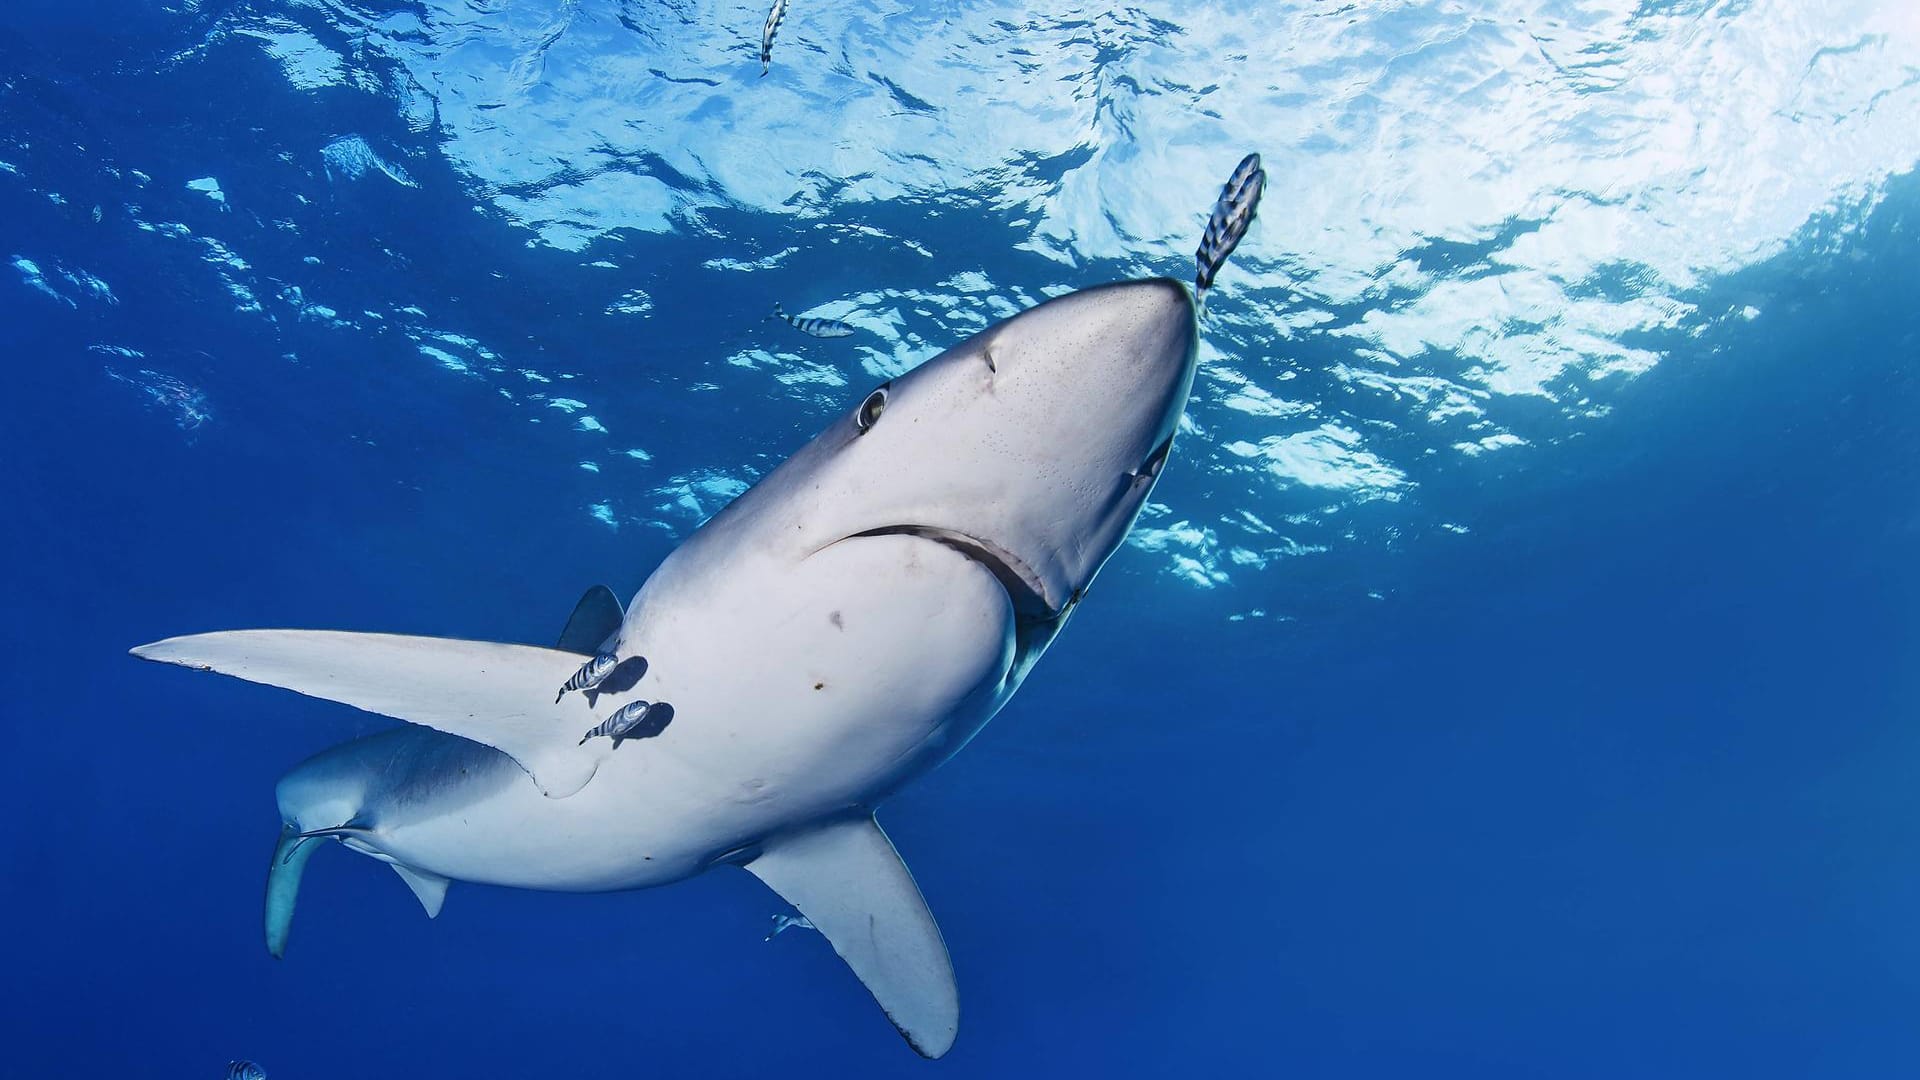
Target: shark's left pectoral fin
[430, 889]
[495, 694]
[848, 881]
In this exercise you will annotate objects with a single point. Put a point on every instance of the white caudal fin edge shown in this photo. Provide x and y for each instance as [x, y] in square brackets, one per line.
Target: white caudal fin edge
[496, 694]
[846, 878]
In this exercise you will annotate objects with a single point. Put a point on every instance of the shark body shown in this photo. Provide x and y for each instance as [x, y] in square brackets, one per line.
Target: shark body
[844, 626]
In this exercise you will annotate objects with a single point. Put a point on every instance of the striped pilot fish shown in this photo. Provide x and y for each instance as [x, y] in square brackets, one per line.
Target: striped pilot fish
[245, 1070]
[774, 18]
[634, 720]
[591, 674]
[1231, 217]
[816, 327]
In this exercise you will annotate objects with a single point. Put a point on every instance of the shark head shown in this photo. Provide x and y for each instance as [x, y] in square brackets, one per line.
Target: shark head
[1030, 446]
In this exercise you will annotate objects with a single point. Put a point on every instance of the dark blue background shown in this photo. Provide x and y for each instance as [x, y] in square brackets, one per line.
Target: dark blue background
[1620, 784]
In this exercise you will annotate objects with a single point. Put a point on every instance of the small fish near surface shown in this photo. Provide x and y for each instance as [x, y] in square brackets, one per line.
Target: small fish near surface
[634, 720]
[1232, 215]
[774, 17]
[245, 1070]
[590, 676]
[820, 328]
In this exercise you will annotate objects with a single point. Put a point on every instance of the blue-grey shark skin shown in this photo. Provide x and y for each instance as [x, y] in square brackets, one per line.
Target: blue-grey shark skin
[393, 779]
[368, 791]
[844, 626]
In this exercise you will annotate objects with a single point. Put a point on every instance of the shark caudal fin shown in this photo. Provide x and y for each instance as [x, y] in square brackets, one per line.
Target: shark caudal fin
[847, 880]
[290, 857]
[596, 618]
[289, 865]
[498, 695]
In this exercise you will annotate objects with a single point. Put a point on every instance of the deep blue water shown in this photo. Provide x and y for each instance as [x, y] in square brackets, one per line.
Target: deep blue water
[1515, 675]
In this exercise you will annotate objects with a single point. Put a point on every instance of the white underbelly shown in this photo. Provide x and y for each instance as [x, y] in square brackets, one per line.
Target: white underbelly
[647, 818]
[883, 655]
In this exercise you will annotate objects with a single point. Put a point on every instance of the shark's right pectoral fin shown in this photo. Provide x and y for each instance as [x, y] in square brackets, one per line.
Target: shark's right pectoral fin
[848, 881]
[499, 695]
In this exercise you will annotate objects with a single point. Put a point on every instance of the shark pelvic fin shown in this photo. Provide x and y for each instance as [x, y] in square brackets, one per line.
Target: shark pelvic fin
[847, 880]
[595, 618]
[429, 889]
[498, 695]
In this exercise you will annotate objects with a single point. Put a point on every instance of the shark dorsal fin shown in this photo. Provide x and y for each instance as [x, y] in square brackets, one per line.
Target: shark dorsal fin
[847, 881]
[595, 618]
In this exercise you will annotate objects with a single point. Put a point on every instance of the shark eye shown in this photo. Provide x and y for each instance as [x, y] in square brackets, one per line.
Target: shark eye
[870, 409]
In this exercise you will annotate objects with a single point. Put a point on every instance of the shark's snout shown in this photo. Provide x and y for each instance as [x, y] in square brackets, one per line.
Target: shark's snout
[1112, 333]
[1116, 362]
[1030, 447]
[1161, 302]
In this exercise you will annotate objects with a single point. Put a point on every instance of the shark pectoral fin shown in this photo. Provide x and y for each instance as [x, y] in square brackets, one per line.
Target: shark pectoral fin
[850, 884]
[431, 889]
[290, 857]
[498, 695]
[595, 618]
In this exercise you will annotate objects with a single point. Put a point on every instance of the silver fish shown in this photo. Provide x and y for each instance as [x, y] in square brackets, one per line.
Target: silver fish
[628, 719]
[817, 327]
[245, 1070]
[591, 674]
[1232, 215]
[774, 18]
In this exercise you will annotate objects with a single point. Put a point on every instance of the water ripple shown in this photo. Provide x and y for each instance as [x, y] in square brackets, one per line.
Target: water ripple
[1482, 220]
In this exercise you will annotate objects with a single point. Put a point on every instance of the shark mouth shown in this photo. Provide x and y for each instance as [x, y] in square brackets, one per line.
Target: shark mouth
[1023, 585]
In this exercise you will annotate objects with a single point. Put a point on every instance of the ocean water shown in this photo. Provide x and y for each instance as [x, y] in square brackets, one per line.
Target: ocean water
[1515, 674]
